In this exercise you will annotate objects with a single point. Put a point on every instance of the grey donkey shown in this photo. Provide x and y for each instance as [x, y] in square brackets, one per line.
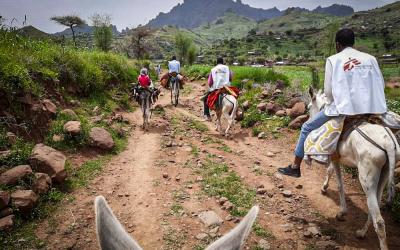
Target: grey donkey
[112, 235]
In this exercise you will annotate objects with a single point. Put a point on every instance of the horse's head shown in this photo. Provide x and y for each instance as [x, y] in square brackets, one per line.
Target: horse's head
[318, 100]
[112, 235]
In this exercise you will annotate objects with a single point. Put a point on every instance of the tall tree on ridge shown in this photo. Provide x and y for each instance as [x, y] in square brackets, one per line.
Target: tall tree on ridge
[70, 21]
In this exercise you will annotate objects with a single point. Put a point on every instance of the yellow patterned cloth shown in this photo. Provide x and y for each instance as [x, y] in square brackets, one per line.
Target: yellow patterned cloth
[322, 142]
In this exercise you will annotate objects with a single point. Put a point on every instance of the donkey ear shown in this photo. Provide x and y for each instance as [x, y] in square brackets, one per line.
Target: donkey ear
[311, 92]
[236, 238]
[110, 232]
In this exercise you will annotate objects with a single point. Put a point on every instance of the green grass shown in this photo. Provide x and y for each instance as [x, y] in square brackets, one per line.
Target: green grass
[219, 181]
[176, 208]
[225, 148]
[198, 125]
[261, 232]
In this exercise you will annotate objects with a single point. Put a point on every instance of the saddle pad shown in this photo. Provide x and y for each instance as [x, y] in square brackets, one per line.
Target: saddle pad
[322, 142]
[214, 100]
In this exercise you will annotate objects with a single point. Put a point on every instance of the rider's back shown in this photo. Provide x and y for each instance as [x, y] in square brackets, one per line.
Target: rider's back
[221, 76]
[357, 83]
[174, 66]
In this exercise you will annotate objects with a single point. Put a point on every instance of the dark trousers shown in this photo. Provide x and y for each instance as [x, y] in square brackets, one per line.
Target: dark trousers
[206, 108]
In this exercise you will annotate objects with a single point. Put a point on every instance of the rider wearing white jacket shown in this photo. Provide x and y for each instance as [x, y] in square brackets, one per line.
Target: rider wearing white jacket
[353, 85]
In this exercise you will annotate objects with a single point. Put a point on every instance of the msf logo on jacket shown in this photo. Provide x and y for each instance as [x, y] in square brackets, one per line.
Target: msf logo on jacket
[351, 64]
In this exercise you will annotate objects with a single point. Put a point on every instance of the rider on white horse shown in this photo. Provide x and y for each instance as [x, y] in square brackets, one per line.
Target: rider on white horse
[354, 85]
[219, 77]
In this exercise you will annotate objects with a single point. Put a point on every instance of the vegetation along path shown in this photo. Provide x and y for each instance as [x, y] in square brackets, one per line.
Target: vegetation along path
[181, 167]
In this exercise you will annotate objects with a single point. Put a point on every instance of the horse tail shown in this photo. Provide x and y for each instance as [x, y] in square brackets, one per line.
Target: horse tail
[391, 153]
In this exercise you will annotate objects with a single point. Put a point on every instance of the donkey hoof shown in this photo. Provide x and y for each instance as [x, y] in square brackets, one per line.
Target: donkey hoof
[341, 216]
[360, 234]
[324, 190]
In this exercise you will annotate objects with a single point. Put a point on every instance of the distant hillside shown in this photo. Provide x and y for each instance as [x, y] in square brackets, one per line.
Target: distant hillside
[194, 13]
[335, 10]
[295, 19]
[33, 32]
[84, 29]
[229, 26]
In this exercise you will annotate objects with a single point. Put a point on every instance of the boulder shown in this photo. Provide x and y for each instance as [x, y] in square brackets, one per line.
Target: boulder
[12, 176]
[72, 127]
[24, 200]
[290, 104]
[50, 106]
[246, 105]
[262, 106]
[210, 218]
[47, 160]
[280, 113]
[6, 223]
[5, 212]
[69, 112]
[11, 138]
[239, 115]
[270, 107]
[4, 199]
[265, 94]
[298, 122]
[42, 183]
[297, 110]
[101, 138]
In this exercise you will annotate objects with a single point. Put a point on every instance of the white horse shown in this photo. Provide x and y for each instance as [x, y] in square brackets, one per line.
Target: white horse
[375, 168]
[112, 235]
[229, 108]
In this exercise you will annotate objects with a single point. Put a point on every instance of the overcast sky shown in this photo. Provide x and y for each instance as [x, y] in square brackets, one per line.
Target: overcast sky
[130, 13]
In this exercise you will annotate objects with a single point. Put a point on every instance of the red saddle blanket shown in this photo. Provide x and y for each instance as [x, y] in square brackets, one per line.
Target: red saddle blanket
[213, 97]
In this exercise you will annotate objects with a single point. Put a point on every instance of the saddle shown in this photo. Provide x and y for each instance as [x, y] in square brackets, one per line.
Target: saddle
[321, 144]
[215, 98]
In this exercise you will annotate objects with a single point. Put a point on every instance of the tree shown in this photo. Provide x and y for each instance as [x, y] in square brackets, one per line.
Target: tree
[185, 48]
[103, 34]
[138, 44]
[69, 21]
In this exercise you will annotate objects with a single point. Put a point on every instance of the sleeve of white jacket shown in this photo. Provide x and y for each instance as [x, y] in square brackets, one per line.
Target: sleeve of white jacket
[328, 81]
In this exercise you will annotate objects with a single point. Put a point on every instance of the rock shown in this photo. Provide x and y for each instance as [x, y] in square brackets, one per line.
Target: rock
[280, 113]
[277, 92]
[222, 200]
[12, 176]
[298, 122]
[72, 127]
[228, 206]
[263, 244]
[58, 138]
[165, 175]
[299, 186]
[278, 176]
[96, 119]
[42, 183]
[5, 212]
[314, 231]
[201, 236]
[70, 113]
[307, 234]
[262, 191]
[265, 94]
[239, 116]
[5, 153]
[270, 154]
[24, 200]
[261, 135]
[246, 105]
[229, 217]
[214, 230]
[270, 107]
[287, 193]
[6, 223]
[262, 106]
[101, 138]
[47, 160]
[297, 110]
[50, 106]
[290, 104]
[4, 199]
[210, 218]
[11, 138]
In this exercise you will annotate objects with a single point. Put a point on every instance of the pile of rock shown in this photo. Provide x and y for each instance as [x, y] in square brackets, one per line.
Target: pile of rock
[47, 166]
[294, 106]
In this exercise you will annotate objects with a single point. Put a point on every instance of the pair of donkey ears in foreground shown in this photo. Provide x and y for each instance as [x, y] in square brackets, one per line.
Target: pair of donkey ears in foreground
[112, 235]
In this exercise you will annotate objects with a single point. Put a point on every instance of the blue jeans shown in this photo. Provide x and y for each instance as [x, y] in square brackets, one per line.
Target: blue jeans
[315, 123]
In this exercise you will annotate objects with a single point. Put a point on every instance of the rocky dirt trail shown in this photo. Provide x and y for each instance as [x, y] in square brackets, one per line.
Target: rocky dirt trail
[157, 190]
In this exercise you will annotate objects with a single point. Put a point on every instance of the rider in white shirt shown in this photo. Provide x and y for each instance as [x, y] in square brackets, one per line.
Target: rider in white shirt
[174, 66]
[353, 86]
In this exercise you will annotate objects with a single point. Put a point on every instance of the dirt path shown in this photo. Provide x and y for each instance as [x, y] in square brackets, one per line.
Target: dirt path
[156, 190]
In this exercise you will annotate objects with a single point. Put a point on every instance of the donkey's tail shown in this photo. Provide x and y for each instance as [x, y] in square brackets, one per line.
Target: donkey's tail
[235, 108]
[391, 153]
